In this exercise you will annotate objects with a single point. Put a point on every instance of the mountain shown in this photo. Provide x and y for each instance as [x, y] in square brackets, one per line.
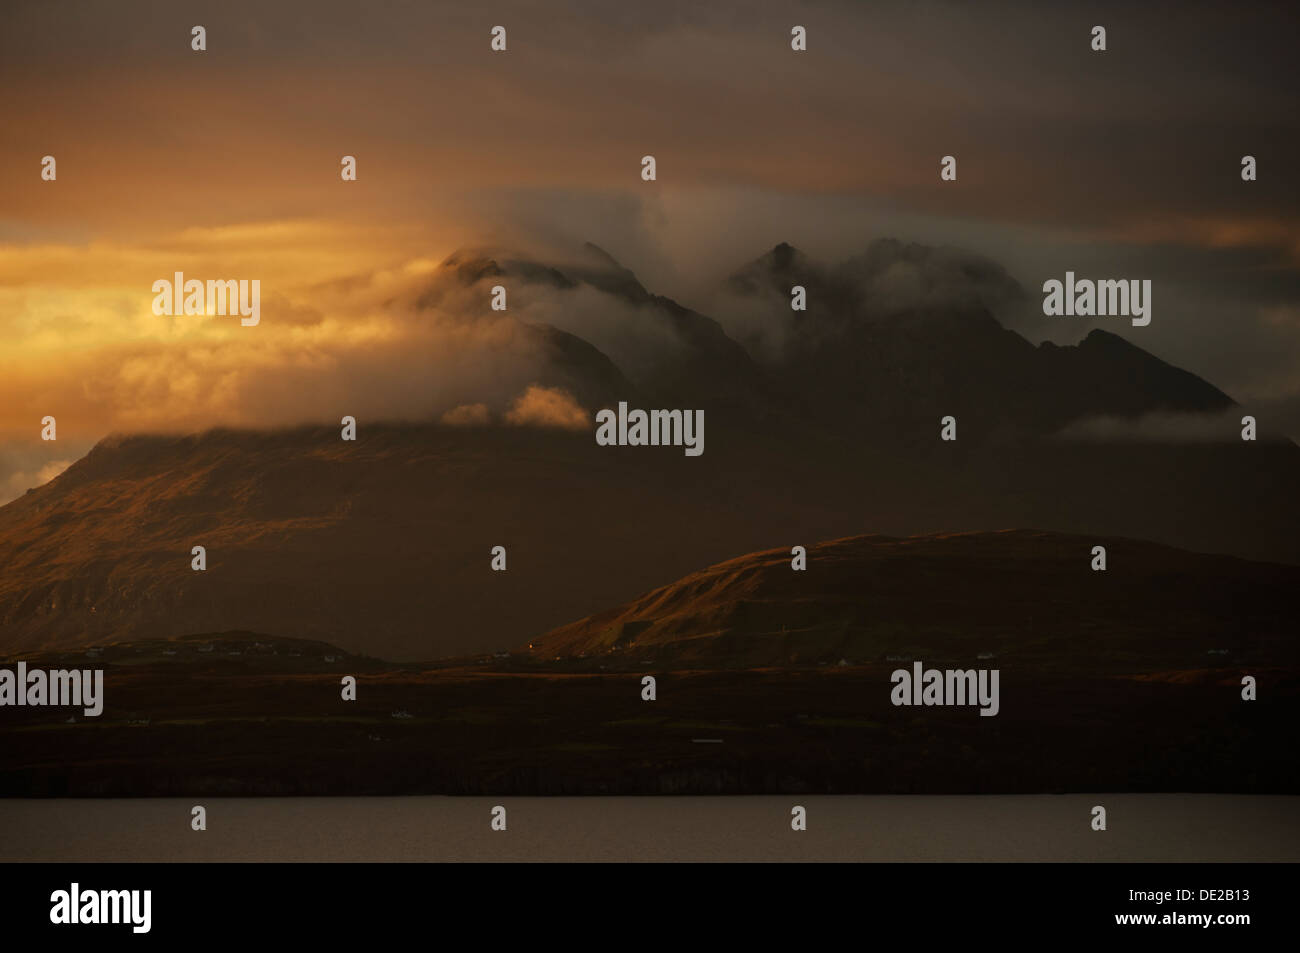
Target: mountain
[379, 545]
[672, 355]
[571, 364]
[901, 335]
[1026, 598]
[382, 545]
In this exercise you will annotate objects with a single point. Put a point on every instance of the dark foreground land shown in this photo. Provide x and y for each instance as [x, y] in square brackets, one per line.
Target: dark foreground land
[256, 715]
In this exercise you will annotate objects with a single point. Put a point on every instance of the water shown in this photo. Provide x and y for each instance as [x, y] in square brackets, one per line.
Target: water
[1141, 827]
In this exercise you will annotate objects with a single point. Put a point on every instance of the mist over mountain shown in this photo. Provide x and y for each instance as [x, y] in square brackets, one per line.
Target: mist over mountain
[886, 280]
[670, 354]
[901, 335]
[382, 545]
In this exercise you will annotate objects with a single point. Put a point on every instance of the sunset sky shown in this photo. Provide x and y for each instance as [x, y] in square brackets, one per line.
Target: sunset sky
[225, 164]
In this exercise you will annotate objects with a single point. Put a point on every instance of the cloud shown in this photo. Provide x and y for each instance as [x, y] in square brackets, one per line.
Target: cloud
[26, 466]
[547, 407]
[889, 277]
[362, 340]
[1011, 89]
[363, 321]
[755, 144]
[1157, 428]
[467, 415]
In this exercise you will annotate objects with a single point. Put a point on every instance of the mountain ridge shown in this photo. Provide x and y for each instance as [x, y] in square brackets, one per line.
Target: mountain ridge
[840, 441]
[1025, 596]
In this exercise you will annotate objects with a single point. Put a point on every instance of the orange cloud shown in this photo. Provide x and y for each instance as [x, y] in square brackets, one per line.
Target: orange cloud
[547, 407]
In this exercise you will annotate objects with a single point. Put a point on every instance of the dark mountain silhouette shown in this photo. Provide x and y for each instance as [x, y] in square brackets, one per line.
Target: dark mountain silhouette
[1024, 597]
[601, 270]
[382, 546]
[571, 364]
[902, 335]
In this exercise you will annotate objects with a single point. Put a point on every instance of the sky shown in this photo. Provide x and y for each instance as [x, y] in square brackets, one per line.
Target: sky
[225, 164]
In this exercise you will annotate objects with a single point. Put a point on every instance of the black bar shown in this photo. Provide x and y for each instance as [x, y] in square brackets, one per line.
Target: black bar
[486, 903]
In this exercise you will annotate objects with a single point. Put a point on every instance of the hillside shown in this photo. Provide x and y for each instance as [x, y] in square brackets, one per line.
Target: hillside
[1021, 597]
